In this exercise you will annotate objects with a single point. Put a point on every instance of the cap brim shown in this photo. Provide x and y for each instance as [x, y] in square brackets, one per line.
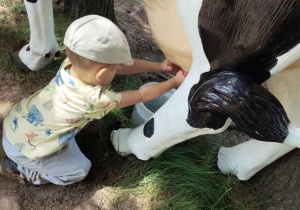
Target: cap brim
[129, 63]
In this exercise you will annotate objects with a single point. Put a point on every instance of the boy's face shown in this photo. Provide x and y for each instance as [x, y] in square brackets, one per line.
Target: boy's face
[106, 75]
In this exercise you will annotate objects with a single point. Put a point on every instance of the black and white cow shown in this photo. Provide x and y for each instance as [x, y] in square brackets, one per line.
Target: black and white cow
[243, 44]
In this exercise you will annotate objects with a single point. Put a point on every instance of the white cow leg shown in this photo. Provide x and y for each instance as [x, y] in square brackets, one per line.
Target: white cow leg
[167, 133]
[246, 159]
[43, 45]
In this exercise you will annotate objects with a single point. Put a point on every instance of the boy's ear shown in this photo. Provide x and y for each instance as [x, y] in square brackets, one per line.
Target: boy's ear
[99, 74]
[100, 71]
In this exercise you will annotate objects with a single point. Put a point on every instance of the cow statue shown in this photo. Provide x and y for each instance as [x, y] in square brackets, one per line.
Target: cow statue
[242, 44]
[229, 48]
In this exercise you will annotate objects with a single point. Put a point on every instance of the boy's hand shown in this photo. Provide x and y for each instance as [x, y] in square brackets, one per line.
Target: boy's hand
[167, 68]
[179, 78]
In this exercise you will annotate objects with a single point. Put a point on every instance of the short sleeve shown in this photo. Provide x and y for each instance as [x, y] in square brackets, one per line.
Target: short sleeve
[102, 103]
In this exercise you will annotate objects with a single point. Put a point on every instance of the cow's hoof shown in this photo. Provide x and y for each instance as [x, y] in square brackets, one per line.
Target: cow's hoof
[32, 1]
[119, 144]
[33, 61]
[224, 163]
[229, 162]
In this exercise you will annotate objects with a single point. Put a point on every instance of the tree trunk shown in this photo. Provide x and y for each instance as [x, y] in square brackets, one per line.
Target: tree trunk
[80, 8]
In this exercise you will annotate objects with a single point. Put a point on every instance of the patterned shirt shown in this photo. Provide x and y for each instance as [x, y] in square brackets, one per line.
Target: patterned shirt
[42, 123]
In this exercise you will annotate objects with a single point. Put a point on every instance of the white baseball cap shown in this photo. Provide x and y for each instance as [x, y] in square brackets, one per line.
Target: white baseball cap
[98, 39]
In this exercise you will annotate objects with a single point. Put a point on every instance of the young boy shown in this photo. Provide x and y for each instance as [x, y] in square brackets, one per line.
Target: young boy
[38, 132]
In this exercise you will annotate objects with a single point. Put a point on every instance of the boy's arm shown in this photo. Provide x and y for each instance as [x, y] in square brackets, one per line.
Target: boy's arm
[141, 66]
[149, 92]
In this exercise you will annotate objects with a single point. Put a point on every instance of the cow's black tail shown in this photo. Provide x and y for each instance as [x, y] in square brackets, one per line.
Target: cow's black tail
[251, 107]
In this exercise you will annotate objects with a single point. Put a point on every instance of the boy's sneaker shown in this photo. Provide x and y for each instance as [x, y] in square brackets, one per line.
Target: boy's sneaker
[9, 169]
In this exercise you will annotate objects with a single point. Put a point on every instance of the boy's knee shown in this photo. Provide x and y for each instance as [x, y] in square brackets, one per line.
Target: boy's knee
[85, 170]
[88, 166]
[81, 173]
[78, 175]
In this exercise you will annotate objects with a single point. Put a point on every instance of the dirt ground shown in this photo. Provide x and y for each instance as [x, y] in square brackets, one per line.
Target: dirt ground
[277, 185]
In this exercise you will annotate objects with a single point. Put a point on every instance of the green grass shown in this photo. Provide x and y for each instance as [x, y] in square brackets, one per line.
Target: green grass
[16, 7]
[184, 177]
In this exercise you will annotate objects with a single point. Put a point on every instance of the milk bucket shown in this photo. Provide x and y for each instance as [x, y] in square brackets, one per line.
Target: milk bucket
[142, 112]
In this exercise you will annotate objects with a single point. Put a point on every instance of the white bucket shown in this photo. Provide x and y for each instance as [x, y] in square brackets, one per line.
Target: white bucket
[142, 112]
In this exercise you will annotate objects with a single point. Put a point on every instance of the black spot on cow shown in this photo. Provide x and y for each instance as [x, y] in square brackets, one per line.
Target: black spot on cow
[57, 54]
[32, 1]
[149, 128]
[47, 55]
[28, 48]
